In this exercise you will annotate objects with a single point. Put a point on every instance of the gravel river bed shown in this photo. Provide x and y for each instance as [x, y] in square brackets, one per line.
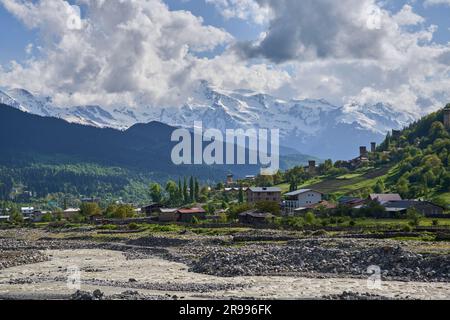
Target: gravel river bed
[116, 277]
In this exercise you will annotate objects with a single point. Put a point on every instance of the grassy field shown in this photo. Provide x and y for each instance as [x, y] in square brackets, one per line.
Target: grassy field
[351, 183]
[426, 222]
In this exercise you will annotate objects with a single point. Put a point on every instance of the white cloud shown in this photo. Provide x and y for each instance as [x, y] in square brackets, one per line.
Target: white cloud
[141, 53]
[242, 9]
[124, 49]
[407, 16]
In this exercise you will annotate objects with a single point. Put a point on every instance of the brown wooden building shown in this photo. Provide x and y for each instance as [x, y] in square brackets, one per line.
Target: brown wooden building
[255, 195]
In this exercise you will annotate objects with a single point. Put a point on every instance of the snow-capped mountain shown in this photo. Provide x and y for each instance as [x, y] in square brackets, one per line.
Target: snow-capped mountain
[313, 127]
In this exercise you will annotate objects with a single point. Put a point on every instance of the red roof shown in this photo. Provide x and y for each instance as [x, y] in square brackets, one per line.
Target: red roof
[191, 211]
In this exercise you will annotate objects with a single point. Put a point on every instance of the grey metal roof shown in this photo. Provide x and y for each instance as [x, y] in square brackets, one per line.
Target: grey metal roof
[301, 191]
[269, 189]
[385, 197]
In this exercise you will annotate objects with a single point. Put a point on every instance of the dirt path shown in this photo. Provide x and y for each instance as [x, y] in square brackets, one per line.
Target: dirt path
[112, 273]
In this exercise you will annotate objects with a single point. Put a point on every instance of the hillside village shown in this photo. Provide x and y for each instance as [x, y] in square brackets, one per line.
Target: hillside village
[327, 223]
[260, 200]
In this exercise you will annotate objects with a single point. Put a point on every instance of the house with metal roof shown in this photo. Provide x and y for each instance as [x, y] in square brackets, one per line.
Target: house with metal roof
[256, 218]
[302, 198]
[259, 194]
[385, 197]
[424, 207]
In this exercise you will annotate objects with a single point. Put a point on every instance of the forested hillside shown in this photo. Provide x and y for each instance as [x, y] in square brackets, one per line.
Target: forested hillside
[422, 155]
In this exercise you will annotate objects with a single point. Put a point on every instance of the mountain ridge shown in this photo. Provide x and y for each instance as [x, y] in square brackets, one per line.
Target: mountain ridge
[309, 126]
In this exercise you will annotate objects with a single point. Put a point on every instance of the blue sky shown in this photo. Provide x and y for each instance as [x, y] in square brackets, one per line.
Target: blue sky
[15, 36]
[287, 48]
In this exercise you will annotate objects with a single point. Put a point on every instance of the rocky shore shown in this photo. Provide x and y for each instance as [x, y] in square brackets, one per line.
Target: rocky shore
[221, 266]
[324, 258]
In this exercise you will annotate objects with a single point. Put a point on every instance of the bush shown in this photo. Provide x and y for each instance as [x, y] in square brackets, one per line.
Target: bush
[77, 218]
[435, 222]
[269, 207]
[108, 227]
[310, 218]
[414, 216]
[407, 228]
[133, 226]
[48, 217]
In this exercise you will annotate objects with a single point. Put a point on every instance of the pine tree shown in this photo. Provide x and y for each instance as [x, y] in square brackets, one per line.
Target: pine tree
[241, 195]
[197, 190]
[180, 191]
[191, 189]
[185, 191]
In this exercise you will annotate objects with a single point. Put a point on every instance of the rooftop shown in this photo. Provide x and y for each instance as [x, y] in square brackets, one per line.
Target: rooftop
[301, 191]
[255, 214]
[264, 189]
[191, 211]
[406, 204]
[168, 210]
[382, 198]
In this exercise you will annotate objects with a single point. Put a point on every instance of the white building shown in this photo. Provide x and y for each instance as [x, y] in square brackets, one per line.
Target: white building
[302, 198]
[26, 211]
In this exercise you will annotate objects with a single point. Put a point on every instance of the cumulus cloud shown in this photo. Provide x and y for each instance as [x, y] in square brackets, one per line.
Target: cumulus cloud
[312, 29]
[140, 53]
[355, 50]
[407, 16]
[126, 52]
[242, 9]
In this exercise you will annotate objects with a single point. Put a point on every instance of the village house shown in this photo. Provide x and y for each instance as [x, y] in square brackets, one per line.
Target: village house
[384, 197]
[188, 215]
[315, 208]
[426, 208]
[69, 213]
[27, 211]
[151, 208]
[167, 214]
[235, 189]
[301, 199]
[351, 202]
[91, 200]
[255, 195]
[255, 218]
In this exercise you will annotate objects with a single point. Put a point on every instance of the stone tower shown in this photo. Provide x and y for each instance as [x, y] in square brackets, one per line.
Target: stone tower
[363, 152]
[396, 134]
[447, 117]
[312, 166]
[230, 180]
[373, 147]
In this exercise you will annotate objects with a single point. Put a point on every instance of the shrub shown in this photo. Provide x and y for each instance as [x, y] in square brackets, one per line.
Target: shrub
[407, 228]
[77, 218]
[133, 226]
[414, 217]
[310, 218]
[48, 217]
[435, 222]
[269, 207]
[108, 227]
